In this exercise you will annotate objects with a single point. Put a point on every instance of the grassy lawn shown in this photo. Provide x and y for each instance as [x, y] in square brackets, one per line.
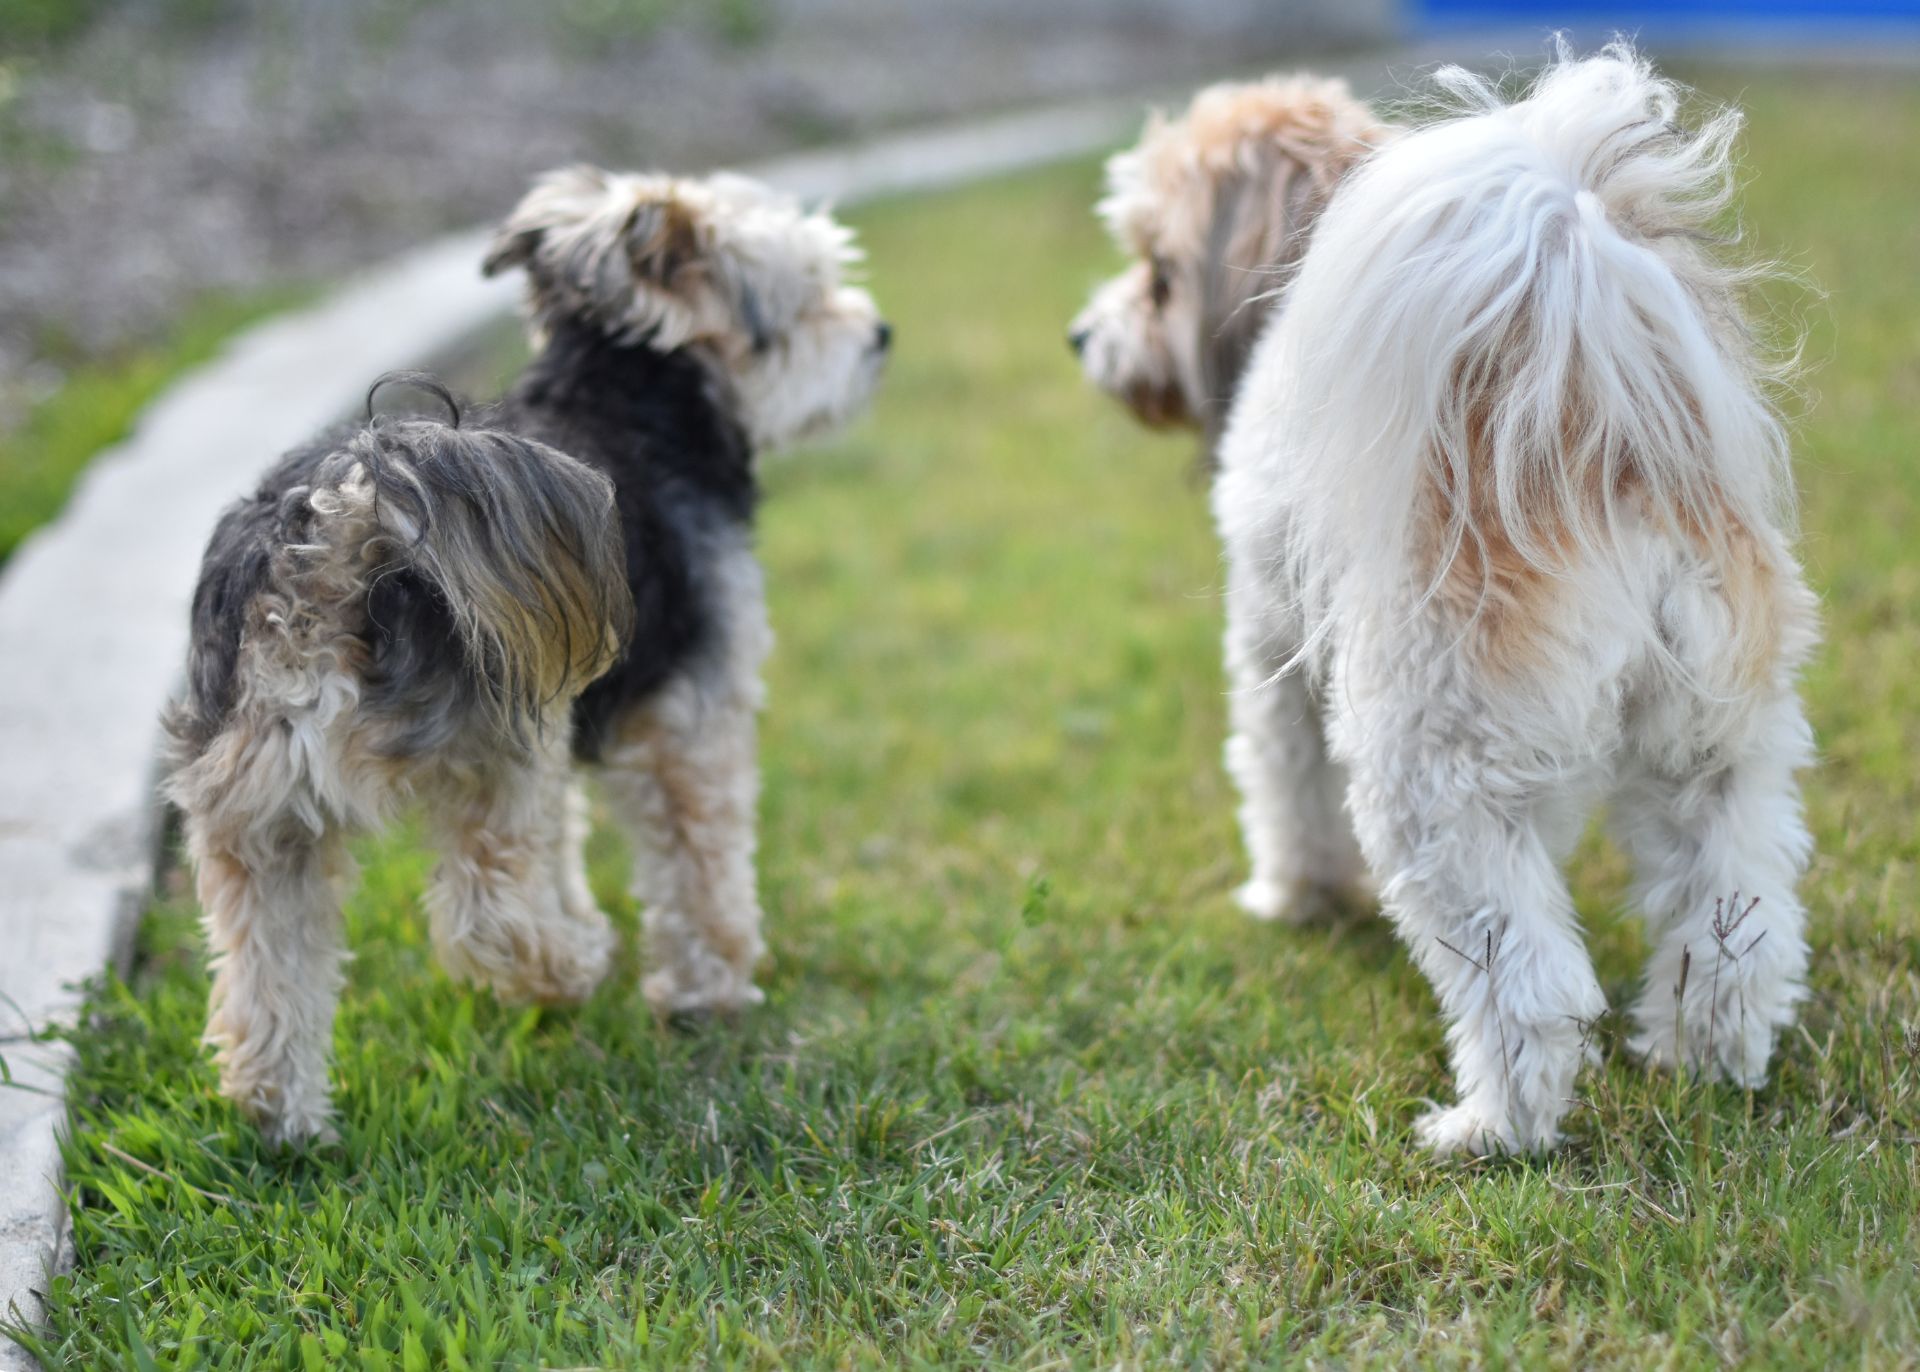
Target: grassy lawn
[1027, 1090]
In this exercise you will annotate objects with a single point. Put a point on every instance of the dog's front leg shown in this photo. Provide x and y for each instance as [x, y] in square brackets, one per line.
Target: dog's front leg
[1293, 816]
[684, 783]
[271, 909]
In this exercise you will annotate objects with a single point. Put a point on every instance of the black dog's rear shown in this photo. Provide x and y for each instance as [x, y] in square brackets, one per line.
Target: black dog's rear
[403, 607]
[488, 567]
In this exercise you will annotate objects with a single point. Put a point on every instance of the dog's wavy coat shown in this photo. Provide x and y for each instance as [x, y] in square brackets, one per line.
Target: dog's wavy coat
[1507, 515]
[414, 610]
[1215, 208]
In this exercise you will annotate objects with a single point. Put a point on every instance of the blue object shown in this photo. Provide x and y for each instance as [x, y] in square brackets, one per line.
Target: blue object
[1839, 19]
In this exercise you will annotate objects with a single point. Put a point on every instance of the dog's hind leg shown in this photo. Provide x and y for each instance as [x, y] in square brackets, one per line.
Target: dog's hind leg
[508, 905]
[1293, 815]
[270, 898]
[1464, 822]
[1719, 851]
[266, 802]
[1478, 899]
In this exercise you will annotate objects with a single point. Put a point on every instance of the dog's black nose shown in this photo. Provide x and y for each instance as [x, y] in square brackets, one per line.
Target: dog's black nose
[883, 336]
[1077, 340]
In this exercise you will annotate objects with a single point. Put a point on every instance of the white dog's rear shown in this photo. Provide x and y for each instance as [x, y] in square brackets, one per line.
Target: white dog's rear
[1504, 485]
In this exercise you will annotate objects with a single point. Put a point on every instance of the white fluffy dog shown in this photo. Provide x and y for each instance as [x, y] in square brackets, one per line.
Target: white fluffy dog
[1506, 510]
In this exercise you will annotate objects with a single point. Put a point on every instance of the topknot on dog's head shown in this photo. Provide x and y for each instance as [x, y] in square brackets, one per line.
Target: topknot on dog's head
[1161, 193]
[670, 260]
[1214, 206]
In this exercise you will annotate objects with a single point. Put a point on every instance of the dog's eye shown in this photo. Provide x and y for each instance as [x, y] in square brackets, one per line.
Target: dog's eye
[1158, 283]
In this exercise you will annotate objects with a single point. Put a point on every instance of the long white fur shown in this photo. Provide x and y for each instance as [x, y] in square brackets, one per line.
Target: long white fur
[1521, 299]
[1557, 241]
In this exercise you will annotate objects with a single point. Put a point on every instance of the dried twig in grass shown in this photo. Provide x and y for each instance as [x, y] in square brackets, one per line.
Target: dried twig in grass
[1728, 916]
[152, 1171]
[1486, 969]
[1680, 1013]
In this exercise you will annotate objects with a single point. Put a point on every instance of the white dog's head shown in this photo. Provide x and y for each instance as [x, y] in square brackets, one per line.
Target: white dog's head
[723, 265]
[1213, 207]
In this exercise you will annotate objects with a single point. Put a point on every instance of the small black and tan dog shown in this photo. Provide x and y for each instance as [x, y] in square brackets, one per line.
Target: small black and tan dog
[412, 610]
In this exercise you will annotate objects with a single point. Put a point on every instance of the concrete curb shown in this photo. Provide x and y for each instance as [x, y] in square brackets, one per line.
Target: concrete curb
[92, 631]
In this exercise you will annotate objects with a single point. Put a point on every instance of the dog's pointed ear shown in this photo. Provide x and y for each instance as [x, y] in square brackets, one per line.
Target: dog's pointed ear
[663, 237]
[558, 202]
[510, 250]
[573, 218]
[632, 254]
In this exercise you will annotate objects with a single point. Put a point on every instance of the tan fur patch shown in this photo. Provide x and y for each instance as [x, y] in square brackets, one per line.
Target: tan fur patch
[1505, 586]
[1286, 126]
[1216, 206]
[1750, 585]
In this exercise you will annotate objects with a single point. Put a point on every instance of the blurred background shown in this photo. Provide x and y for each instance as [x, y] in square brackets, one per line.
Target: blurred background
[172, 168]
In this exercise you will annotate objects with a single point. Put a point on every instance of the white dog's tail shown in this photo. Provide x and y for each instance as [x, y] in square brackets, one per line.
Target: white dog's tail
[1512, 323]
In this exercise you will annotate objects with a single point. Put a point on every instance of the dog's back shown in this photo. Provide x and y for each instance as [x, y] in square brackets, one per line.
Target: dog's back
[423, 575]
[1514, 364]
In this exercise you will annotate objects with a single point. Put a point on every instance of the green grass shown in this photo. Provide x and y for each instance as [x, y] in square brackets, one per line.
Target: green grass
[98, 402]
[32, 24]
[1026, 1089]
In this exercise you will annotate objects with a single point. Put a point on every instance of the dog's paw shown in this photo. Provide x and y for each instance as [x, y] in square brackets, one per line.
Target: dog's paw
[1741, 1059]
[1464, 1131]
[567, 965]
[1264, 900]
[1299, 902]
[551, 959]
[678, 1002]
[288, 1103]
[575, 965]
[299, 1131]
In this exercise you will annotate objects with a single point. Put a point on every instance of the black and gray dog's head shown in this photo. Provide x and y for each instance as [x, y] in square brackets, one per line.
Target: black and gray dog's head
[721, 265]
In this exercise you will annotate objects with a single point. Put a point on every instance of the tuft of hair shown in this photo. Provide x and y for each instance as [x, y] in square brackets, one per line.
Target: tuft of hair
[1284, 127]
[1512, 322]
[520, 541]
[419, 381]
[644, 256]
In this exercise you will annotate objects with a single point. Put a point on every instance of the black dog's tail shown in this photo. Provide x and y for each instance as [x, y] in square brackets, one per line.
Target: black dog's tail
[521, 541]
